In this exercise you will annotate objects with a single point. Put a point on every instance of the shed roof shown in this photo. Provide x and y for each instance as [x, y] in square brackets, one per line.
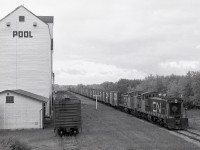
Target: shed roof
[28, 94]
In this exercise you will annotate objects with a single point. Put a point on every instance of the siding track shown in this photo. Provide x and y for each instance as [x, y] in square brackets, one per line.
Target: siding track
[189, 135]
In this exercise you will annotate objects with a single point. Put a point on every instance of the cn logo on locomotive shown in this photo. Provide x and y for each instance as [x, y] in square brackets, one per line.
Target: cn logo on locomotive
[21, 34]
[156, 107]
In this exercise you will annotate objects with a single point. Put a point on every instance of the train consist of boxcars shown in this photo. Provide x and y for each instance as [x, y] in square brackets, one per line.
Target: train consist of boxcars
[165, 111]
[67, 114]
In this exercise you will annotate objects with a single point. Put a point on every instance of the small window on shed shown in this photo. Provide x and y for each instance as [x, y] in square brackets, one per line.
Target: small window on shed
[21, 18]
[9, 99]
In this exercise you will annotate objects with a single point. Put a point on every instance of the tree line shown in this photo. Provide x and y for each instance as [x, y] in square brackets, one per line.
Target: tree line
[185, 86]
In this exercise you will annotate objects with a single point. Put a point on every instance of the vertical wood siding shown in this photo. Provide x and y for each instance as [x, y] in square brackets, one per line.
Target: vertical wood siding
[25, 63]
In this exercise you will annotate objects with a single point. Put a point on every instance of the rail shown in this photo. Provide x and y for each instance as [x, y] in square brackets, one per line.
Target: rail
[189, 135]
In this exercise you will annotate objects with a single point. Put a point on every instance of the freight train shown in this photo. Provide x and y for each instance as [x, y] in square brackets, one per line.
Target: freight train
[165, 111]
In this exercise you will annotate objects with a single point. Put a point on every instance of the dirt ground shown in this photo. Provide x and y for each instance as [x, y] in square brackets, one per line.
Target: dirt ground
[105, 129]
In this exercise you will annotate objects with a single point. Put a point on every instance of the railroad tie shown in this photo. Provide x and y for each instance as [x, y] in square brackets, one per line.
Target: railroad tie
[70, 143]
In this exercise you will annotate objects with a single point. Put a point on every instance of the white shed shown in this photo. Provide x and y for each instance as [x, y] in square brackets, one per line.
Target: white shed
[21, 110]
[26, 49]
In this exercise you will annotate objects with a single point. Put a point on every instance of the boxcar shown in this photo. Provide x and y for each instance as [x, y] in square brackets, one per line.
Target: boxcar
[67, 114]
[133, 99]
[107, 98]
[123, 102]
[116, 98]
[104, 96]
[94, 92]
[87, 92]
[91, 93]
[101, 95]
[111, 102]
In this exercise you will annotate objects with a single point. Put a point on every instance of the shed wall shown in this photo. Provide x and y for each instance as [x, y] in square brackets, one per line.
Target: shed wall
[22, 114]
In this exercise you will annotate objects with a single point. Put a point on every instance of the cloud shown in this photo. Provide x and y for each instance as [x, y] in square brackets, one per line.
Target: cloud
[181, 64]
[151, 37]
[90, 72]
[198, 47]
[178, 67]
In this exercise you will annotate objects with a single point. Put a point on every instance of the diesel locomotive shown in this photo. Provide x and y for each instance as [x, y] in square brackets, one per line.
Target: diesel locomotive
[168, 112]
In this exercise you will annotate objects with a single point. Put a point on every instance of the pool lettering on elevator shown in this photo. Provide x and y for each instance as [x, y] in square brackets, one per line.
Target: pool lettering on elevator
[22, 34]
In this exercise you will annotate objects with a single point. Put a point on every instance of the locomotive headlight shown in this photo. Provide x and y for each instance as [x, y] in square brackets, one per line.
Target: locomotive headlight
[174, 108]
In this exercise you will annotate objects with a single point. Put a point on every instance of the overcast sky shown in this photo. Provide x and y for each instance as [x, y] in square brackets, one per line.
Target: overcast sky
[105, 40]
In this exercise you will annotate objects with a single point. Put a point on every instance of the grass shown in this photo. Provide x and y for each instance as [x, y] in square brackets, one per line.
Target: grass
[30, 139]
[194, 118]
[13, 144]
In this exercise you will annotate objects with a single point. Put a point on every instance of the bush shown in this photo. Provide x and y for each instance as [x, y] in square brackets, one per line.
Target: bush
[188, 102]
[12, 144]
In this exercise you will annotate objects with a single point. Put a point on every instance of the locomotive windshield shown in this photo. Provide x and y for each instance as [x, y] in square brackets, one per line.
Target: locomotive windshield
[175, 109]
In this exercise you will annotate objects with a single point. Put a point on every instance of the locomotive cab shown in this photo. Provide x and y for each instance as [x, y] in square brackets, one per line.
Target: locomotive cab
[176, 118]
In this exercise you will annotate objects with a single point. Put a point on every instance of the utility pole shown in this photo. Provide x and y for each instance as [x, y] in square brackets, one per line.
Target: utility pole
[96, 99]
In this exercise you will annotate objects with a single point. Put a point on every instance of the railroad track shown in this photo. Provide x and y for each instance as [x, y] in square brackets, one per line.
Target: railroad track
[189, 135]
[69, 143]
